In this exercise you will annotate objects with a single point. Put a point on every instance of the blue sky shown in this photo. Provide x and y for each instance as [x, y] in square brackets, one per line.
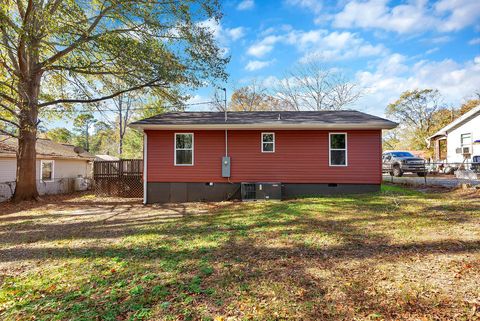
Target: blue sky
[385, 46]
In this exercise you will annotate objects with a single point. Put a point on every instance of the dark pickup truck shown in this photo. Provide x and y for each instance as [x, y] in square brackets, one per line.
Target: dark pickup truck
[476, 164]
[396, 163]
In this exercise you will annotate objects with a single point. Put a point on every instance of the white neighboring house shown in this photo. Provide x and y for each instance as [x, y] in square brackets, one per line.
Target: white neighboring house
[57, 166]
[462, 139]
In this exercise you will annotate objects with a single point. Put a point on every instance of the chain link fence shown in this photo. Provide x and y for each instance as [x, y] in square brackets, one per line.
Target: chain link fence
[439, 173]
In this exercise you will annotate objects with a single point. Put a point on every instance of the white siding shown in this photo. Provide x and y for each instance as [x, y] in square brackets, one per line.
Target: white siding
[68, 168]
[8, 168]
[453, 139]
[63, 169]
[64, 173]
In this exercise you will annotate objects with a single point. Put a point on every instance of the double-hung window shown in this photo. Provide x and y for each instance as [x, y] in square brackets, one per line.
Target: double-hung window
[183, 149]
[338, 149]
[466, 143]
[268, 142]
[46, 170]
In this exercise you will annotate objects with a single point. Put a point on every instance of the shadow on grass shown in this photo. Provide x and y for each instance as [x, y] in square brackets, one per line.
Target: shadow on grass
[65, 201]
[242, 259]
[247, 265]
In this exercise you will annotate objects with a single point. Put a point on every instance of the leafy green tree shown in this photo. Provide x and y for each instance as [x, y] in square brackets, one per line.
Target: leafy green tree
[469, 105]
[249, 98]
[252, 97]
[54, 54]
[133, 139]
[133, 144]
[415, 110]
[82, 125]
[103, 140]
[60, 135]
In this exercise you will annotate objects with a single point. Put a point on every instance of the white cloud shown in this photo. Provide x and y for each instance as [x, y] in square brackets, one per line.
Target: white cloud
[270, 81]
[460, 13]
[253, 65]
[393, 76]
[376, 14]
[313, 5]
[441, 39]
[264, 46]
[245, 5]
[223, 35]
[336, 46]
[214, 26]
[393, 64]
[235, 33]
[197, 103]
[413, 16]
[430, 51]
[319, 45]
[474, 41]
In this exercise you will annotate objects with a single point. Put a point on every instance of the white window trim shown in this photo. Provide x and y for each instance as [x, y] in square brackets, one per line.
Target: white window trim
[273, 143]
[175, 149]
[330, 149]
[467, 144]
[53, 170]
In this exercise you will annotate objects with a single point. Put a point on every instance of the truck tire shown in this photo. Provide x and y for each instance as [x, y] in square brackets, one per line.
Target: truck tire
[421, 174]
[397, 171]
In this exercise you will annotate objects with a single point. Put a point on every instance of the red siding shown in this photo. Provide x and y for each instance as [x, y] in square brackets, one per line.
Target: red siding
[300, 157]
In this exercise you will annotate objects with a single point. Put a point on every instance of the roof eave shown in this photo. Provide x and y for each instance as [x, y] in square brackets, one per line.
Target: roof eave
[457, 122]
[44, 156]
[306, 126]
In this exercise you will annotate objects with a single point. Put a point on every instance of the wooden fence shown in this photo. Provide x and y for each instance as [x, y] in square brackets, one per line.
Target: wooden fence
[122, 178]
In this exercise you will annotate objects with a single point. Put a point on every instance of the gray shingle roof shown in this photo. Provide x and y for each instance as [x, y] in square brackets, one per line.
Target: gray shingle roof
[346, 118]
[45, 148]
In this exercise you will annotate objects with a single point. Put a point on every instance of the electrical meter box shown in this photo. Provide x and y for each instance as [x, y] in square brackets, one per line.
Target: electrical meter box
[225, 166]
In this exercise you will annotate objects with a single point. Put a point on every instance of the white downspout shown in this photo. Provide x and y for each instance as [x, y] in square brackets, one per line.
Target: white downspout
[226, 142]
[226, 117]
[145, 168]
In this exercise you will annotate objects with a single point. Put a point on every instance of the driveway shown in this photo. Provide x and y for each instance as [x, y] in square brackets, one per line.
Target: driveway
[449, 181]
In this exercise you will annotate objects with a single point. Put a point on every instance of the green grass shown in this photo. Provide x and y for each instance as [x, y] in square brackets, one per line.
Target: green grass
[397, 254]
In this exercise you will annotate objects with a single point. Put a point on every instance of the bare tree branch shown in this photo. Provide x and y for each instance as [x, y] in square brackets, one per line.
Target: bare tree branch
[8, 98]
[80, 40]
[315, 87]
[10, 122]
[8, 133]
[94, 100]
[53, 6]
[10, 110]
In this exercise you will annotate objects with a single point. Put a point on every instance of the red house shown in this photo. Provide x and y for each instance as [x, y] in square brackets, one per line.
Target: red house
[212, 156]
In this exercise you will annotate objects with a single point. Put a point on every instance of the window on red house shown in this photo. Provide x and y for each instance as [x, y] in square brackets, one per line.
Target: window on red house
[338, 149]
[183, 149]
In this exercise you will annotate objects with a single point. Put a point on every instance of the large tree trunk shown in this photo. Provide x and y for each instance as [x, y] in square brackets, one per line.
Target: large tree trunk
[26, 185]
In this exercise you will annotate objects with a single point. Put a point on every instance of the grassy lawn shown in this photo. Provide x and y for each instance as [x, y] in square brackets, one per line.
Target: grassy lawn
[399, 254]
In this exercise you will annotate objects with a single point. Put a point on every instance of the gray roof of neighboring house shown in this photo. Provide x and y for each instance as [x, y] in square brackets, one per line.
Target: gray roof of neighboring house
[346, 119]
[103, 157]
[45, 149]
